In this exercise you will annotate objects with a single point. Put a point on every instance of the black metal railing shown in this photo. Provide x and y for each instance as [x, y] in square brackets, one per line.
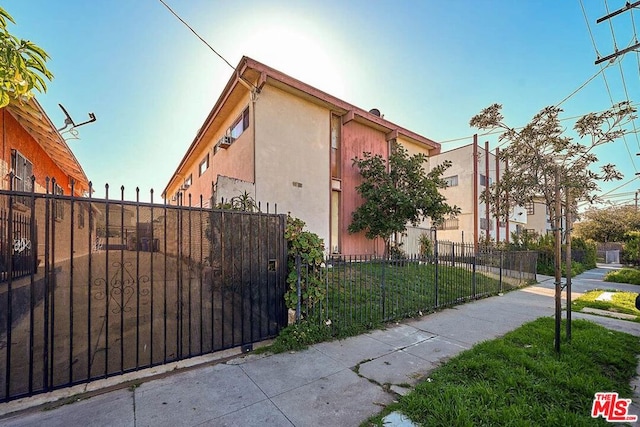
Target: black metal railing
[125, 285]
[368, 290]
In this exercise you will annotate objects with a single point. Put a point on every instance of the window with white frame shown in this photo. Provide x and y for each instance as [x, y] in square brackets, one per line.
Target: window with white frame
[240, 125]
[22, 171]
[452, 181]
[204, 164]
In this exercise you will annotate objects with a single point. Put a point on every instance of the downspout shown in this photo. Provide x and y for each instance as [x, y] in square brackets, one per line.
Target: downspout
[253, 94]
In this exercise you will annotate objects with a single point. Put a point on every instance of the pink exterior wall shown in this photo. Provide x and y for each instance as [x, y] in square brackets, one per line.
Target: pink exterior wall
[357, 139]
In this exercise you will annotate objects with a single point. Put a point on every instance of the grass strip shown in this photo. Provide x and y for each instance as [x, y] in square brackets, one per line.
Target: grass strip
[519, 380]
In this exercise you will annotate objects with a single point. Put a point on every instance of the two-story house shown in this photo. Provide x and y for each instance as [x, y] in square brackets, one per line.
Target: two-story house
[286, 142]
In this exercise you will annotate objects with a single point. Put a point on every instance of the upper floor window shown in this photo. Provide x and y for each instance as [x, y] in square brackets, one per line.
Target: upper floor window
[483, 180]
[452, 181]
[335, 146]
[204, 164]
[530, 207]
[240, 125]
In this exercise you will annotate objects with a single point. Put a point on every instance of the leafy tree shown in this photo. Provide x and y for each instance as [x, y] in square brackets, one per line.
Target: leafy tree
[608, 224]
[540, 151]
[631, 252]
[400, 194]
[22, 65]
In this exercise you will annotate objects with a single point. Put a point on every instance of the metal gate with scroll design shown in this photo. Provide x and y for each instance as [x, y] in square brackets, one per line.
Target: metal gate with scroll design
[120, 286]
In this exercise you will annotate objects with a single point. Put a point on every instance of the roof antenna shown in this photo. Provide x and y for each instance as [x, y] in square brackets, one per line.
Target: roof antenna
[69, 121]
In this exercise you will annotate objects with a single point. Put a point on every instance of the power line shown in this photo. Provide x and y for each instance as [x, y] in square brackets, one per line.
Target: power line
[207, 44]
[196, 34]
[582, 86]
[586, 20]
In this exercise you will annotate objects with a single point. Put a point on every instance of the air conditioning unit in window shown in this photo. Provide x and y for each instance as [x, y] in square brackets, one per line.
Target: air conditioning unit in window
[225, 142]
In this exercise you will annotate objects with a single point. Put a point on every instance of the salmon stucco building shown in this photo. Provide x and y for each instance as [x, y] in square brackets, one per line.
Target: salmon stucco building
[34, 158]
[283, 141]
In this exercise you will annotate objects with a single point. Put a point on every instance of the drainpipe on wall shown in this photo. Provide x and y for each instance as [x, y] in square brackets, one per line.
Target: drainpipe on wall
[253, 94]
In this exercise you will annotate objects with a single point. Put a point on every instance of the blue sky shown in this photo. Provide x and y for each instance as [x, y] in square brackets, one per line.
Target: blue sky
[427, 65]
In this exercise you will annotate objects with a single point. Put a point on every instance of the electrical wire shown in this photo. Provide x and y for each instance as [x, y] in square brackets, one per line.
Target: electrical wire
[586, 20]
[202, 39]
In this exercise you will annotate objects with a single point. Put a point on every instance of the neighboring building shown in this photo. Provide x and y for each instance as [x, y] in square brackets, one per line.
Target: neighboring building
[538, 219]
[32, 146]
[470, 173]
[285, 142]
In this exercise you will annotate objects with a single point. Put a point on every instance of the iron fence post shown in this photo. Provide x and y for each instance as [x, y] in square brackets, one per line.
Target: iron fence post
[434, 230]
[382, 289]
[474, 278]
[299, 288]
[501, 265]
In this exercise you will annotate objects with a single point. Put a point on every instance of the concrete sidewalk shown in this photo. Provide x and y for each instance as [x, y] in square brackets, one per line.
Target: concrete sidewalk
[338, 383]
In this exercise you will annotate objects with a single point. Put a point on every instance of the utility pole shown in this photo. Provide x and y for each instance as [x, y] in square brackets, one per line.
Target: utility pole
[558, 259]
[628, 6]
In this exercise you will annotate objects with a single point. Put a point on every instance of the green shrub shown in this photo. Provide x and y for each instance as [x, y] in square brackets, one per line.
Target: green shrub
[310, 248]
[626, 275]
[631, 252]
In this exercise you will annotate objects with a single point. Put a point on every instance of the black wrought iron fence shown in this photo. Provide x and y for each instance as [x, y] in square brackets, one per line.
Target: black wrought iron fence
[367, 290]
[17, 243]
[124, 285]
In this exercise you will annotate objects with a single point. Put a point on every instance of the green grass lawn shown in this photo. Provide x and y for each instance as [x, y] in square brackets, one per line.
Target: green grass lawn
[621, 302]
[372, 292]
[363, 296]
[519, 380]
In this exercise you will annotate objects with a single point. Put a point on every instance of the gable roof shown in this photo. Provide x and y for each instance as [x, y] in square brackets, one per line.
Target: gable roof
[249, 70]
[32, 117]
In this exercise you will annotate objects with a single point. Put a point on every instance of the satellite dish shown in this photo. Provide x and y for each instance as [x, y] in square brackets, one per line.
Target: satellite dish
[375, 112]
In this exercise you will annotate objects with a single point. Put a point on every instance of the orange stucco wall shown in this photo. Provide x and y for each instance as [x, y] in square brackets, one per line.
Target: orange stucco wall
[16, 137]
[235, 161]
[357, 139]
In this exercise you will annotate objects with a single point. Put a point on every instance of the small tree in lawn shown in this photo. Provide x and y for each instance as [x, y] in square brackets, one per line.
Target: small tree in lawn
[540, 150]
[398, 193]
[544, 162]
[22, 65]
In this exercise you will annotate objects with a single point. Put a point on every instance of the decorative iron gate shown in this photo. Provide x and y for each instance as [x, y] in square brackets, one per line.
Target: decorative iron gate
[120, 286]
